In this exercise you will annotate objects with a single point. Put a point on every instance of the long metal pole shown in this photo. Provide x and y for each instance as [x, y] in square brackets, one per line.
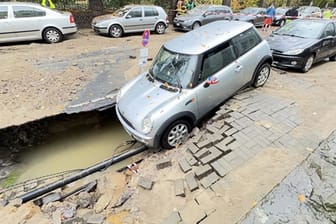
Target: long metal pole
[92, 169]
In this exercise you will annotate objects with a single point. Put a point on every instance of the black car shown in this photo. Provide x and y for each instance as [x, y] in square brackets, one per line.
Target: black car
[280, 16]
[254, 15]
[303, 42]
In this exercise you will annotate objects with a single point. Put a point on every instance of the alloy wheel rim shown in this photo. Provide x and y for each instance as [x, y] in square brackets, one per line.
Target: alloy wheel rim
[263, 75]
[309, 63]
[177, 134]
[52, 36]
[116, 32]
[160, 28]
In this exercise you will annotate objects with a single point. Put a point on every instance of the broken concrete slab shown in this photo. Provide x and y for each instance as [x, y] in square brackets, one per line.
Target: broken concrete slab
[145, 183]
[192, 213]
[163, 163]
[179, 187]
[191, 181]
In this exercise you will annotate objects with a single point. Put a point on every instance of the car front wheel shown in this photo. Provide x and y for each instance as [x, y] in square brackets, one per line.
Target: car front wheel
[160, 28]
[52, 35]
[175, 134]
[308, 64]
[196, 25]
[282, 22]
[115, 31]
[262, 75]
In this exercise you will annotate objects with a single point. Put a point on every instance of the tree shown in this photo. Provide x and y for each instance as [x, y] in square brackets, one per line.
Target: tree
[96, 5]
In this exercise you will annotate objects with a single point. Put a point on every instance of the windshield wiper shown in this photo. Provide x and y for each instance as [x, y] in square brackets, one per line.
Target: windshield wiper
[292, 35]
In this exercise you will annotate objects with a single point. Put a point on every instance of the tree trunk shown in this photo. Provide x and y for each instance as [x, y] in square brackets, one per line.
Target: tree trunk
[228, 2]
[288, 3]
[96, 5]
[261, 3]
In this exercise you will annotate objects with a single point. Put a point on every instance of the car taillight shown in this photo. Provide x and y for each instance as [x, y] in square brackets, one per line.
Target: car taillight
[72, 19]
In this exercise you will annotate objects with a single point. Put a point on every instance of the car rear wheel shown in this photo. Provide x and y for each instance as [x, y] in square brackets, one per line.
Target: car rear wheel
[196, 25]
[308, 64]
[160, 28]
[262, 75]
[52, 35]
[115, 31]
[175, 134]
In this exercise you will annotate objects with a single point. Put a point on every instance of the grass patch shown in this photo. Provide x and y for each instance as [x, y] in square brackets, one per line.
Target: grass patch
[11, 179]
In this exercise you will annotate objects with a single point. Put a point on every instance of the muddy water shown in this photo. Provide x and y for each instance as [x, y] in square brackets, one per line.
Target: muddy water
[74, 143]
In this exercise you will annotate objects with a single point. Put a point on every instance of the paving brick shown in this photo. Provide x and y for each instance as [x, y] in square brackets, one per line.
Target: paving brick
[192, 213]
[202, 153]
[214, 138]
[236, 162]
[219, 124]
[163, 163]
[145, 183]
[231, 131]
[214, 154]
[197, 138]
[202, 171]
[211, 128]
[206, 200]
[192, 148]
[209, 180]
[236, 125]
[230, 156]
[204, 143]
[223, 129]
[179, 187]
[234, 145]
[227, 140]
[221, 146]
[173, 218]
[219, 169]
[191, 181]
[190, 159]
[225, 164]
[184, 165]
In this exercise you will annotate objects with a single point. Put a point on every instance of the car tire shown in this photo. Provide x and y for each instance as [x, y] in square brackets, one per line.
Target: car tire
[332, 58]
[115, 31]
[52, 35]
[308, 64]
[282, 23]
[175, 134]
[196, 25]
[160, 28]
[262, 74]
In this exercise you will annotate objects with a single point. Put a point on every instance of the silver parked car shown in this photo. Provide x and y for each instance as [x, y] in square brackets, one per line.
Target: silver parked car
[28, 21]
[132, 18]
[202, 15]
[190, 76]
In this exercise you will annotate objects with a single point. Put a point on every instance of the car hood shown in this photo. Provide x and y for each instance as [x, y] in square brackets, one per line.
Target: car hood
[102, 18]
[284, 43]
[143, 98]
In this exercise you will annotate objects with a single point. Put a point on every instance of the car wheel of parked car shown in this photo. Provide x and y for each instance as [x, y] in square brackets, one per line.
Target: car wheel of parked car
[115, 31]
[308, 64]
[52, 35]
[262, 75]
[196, 25]
[160, 28]
[282, 22]
[175, 134]
[332, 58]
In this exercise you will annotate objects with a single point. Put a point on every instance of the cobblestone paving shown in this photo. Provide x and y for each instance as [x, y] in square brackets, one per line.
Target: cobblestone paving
[241, 128]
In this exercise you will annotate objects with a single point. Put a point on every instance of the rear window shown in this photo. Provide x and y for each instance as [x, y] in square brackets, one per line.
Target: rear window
[27, 11]
[149, 11]
[3, 12]
[246, 41]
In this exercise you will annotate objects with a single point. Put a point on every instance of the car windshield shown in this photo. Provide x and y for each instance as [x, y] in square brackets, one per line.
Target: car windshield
[198, 10]
[173, 68]
[304, 29]
[250, 11]
[121, 12]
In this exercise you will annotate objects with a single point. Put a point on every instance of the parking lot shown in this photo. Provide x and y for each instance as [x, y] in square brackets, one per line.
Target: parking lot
[238, 156]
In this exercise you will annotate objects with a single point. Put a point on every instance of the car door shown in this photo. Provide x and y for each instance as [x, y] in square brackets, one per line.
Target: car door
[209, 15]
[218, 77]
[260, 17]
[151, 15]
[328, 39]
[6, 31]
[133, 20]
[28, 22]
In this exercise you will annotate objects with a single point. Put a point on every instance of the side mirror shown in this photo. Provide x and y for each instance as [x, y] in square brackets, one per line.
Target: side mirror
[128, 17]
[206, 85]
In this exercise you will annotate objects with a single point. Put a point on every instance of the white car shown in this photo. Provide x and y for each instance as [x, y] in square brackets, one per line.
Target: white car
[28, 21]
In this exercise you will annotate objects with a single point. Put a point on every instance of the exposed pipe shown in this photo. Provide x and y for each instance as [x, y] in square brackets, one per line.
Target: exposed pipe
[83, 173]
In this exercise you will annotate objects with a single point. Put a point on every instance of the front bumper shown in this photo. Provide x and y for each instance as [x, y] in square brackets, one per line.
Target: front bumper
[98, 29]
[147, 140]
[182, 26]
[288, 61]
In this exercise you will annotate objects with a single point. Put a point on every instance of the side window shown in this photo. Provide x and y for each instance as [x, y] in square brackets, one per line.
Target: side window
[216, 60]
[27, 11]
[329, 30]
[149, 11]
[136, 12]
[3, 12]
[246, 41]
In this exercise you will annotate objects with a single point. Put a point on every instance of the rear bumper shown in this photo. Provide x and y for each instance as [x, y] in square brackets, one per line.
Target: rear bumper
[70, 30]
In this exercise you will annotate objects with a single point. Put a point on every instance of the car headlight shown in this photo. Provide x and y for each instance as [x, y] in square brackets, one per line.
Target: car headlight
[147, 125]
[294, 52]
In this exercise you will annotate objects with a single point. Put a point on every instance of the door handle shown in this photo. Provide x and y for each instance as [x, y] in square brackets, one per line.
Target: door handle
[238, 68]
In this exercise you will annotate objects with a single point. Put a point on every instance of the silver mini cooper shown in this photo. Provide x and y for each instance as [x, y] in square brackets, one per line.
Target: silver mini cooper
[190, 76]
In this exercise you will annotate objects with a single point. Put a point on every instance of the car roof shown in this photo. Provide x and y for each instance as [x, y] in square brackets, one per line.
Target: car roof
[131, 5]
[206, 37]
[19, 3]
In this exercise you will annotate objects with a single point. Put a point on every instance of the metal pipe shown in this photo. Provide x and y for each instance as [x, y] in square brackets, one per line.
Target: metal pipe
[92, 169]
